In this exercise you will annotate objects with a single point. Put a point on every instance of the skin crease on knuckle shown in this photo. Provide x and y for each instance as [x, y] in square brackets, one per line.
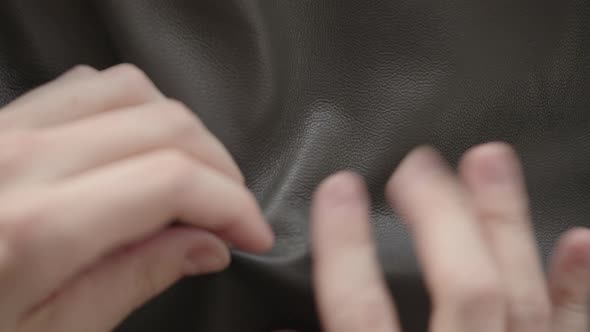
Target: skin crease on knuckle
[530, 310]
[21, 221]
[184, 129]
[178, 165]
[472, 294]
[367, 312]
[82, 69]
[17, 151]
[183, 125]
[498, 217]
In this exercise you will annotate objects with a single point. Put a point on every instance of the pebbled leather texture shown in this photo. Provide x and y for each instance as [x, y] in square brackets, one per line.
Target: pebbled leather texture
[299, 89]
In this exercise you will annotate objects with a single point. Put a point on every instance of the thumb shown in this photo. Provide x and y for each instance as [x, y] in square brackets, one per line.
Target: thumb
[99, 299]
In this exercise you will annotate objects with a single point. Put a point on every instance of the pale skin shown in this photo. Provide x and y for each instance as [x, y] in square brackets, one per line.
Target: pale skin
[97, 165]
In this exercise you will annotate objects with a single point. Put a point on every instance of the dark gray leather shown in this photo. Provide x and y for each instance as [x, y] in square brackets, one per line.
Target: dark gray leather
[299, 89]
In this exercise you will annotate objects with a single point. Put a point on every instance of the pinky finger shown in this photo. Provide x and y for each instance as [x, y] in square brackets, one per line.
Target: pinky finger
[570, 282]
[102, 297]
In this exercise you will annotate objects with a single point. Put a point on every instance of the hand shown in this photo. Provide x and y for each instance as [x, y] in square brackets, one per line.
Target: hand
[474, 241]
[94, 167]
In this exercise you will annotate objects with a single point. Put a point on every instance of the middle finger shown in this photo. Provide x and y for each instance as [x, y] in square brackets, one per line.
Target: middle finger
[460, 272]
[492, 174]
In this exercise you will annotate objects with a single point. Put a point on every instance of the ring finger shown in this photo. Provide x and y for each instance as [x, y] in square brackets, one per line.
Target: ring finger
[493, 176]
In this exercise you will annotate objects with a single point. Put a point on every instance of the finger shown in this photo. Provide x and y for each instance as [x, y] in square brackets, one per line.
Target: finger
[494, 178]
[75, 74]
[70, 99]
[570, 282]
[351, 292]
[460, 272]
[116, 135]
[88, 216]
[99, 299]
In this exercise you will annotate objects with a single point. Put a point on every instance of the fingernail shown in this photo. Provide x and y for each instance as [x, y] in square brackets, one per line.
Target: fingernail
[498, 169]
[421, 161]
[342, 188]
[202, 262]
[426, 158]
[580, 250]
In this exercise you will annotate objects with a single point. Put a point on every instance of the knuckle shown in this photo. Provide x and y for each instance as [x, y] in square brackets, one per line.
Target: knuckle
[530, 309]
[17, 149]
[82, 69]
[181, 121]
[505, 214]
[130, 73]
[368, 312]
[481, 295]
[19, 224]
[134, 79]
[177, 162]
[178, 168]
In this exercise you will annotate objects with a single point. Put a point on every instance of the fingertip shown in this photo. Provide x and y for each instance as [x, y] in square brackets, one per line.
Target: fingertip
[341, 200]
[491, 149]
[340, 212]
[267, 240]
[255, 236]
[570, 275]
[577, 234]
[412, 168]
[574, 248]
[265, 235]
[490, 163]
[340, 188]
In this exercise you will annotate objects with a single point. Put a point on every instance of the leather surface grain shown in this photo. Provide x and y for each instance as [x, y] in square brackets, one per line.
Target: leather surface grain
[299, 89]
